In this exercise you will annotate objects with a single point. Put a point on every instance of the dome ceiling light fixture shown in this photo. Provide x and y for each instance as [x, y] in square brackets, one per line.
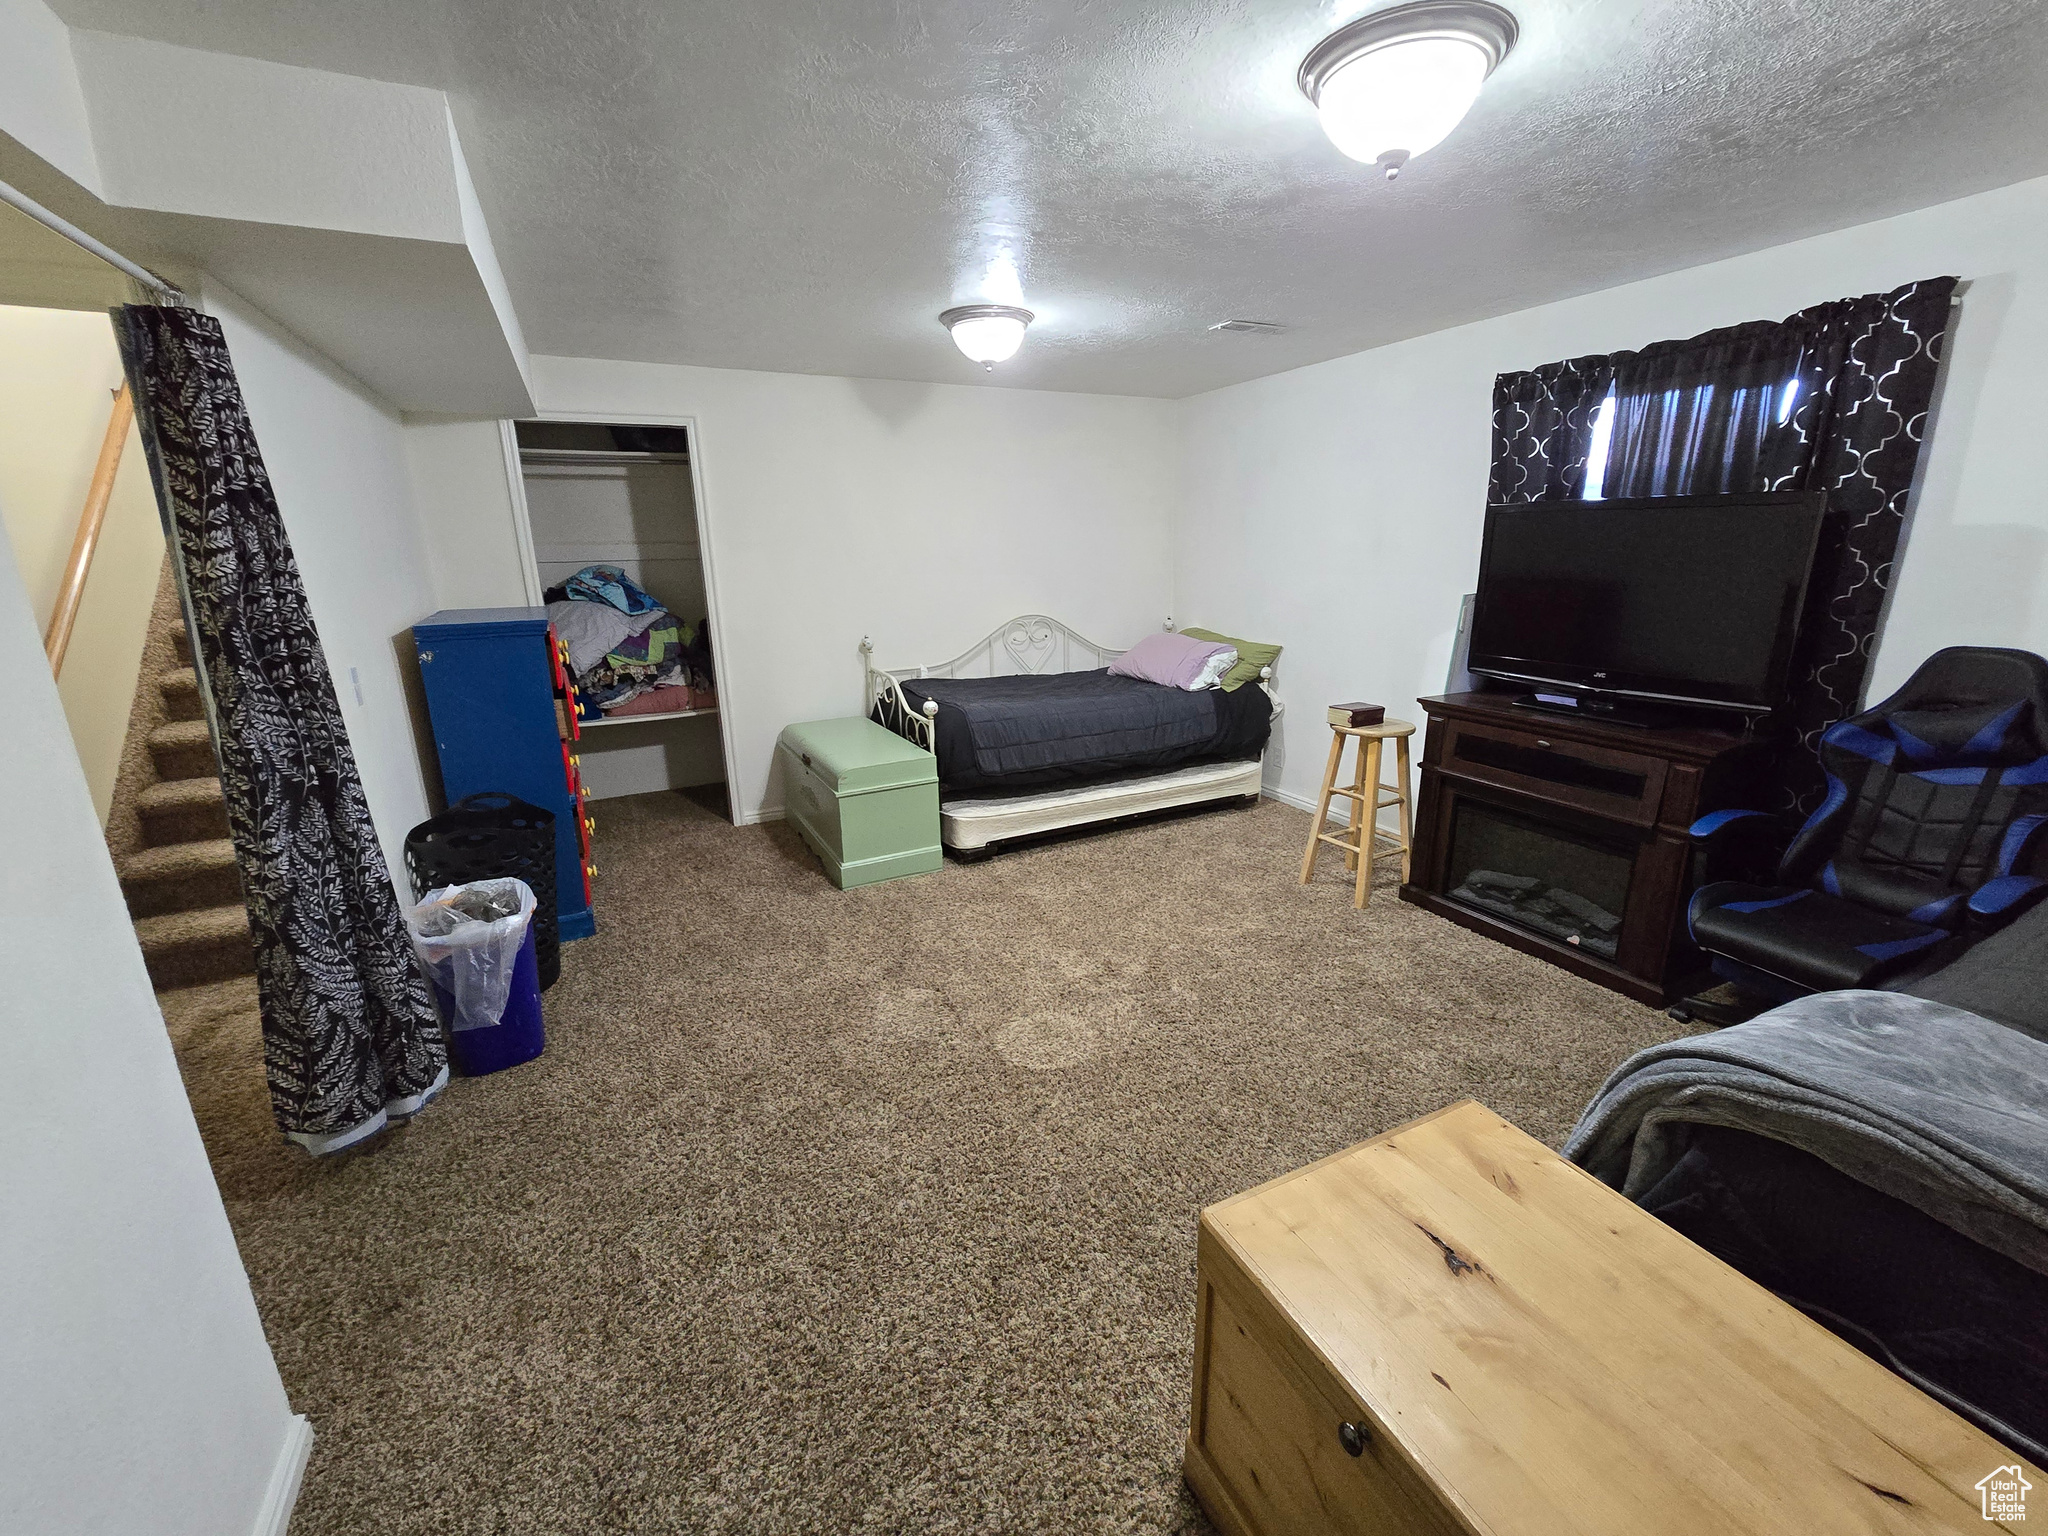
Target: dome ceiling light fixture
[987, 333]
[1392, 85]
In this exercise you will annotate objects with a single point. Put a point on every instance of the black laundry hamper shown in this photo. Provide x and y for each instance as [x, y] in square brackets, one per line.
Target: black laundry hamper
[492, 836]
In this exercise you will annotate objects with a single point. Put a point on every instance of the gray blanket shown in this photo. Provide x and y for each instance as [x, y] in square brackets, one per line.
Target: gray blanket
[1942, 1109]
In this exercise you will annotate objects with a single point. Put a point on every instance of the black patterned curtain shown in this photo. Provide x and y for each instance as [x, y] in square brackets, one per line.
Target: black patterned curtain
[1543, 427]
[351, 1040]
[1693, 418]
[1834, 398]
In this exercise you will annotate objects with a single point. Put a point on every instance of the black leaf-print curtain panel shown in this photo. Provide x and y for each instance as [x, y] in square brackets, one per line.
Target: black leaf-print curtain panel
[1834, 398]
[351, 1039]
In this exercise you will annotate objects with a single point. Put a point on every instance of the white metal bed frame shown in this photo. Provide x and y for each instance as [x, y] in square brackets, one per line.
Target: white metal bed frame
[1035, 644]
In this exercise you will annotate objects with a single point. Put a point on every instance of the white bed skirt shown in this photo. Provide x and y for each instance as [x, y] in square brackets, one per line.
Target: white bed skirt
[971, 824]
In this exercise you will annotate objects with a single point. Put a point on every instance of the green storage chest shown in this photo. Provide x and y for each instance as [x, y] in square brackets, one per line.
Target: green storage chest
[866, 800]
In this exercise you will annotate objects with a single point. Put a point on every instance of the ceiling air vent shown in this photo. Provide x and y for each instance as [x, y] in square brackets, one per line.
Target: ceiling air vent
[1251, 327]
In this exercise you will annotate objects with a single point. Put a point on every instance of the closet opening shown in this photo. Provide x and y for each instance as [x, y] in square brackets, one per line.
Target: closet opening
[614, 514]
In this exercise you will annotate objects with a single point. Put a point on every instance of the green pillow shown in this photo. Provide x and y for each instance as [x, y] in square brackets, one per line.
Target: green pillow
[1251, 656]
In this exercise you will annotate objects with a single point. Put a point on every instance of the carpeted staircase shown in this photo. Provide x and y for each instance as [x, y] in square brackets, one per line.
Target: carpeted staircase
[167, 830]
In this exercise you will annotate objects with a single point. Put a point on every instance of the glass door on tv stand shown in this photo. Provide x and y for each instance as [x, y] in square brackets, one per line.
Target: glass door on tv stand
[1540, 875]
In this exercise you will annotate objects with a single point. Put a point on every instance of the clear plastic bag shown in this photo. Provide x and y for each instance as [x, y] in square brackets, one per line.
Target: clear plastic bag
[468, 938]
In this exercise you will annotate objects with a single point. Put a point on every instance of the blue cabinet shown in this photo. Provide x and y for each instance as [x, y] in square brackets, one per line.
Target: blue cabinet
[493, 679]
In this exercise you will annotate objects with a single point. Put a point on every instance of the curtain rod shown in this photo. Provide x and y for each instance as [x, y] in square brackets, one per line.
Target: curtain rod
[16, 198]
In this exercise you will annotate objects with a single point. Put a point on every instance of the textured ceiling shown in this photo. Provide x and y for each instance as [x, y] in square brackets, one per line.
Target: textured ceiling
[804, 184]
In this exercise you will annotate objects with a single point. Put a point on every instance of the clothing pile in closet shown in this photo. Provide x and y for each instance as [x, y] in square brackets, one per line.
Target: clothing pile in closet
[628, 655]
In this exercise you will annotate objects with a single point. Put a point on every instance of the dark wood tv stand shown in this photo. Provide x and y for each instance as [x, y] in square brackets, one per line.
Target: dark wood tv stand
[1595, 807]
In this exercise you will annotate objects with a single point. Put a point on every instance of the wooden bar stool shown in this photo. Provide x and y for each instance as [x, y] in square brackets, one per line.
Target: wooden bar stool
[1363, 841]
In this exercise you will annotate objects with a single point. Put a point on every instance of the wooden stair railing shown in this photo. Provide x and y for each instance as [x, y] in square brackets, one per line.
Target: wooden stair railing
[57, 638]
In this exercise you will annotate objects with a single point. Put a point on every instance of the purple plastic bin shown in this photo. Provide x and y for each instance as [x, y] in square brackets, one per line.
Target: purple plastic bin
[517, 1036]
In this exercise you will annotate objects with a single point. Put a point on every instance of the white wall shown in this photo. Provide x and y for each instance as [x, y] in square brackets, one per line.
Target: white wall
[336, 457]
[137, 1392]
[227, 137]
[1336, 509]
[921, 514]
[461, 484]
[42, 100]
[58, 372]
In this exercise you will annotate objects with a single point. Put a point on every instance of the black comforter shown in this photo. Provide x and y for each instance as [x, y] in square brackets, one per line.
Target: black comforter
[997, 735]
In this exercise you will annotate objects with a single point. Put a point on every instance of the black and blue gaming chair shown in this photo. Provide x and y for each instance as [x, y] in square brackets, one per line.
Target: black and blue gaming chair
[1936, 801]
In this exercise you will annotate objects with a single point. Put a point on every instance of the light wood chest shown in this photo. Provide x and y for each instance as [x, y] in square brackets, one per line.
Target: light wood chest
[1449, 1328]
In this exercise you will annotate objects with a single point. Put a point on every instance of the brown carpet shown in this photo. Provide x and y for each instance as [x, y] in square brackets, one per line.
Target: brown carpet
[862, 1211]
[167, 827]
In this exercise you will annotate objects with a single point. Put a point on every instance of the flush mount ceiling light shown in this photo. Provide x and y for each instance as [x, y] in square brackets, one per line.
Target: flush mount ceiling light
[1393, 84]
[988, 333]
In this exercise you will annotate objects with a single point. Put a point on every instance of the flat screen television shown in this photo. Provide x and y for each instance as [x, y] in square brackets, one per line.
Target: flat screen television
[1682, 599]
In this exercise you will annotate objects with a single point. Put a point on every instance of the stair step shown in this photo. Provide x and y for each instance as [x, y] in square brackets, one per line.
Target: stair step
[187, 949]
[180, 690]
[181, 877]
[182, 811]
[183, 750]
[183, 642]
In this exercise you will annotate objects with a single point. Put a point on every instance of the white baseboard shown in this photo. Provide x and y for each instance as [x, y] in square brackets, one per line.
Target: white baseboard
[765, 813]
[1339, 810]
[1286, 799]
[283, 1494]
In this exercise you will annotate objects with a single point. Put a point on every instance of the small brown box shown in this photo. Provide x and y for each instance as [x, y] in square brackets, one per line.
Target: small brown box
[1356, 715]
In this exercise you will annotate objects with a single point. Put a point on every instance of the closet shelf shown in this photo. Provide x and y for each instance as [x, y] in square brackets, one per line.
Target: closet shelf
[673, 714]
[536, 456]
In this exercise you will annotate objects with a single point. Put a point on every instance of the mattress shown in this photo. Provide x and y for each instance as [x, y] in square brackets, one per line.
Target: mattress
[994, 735]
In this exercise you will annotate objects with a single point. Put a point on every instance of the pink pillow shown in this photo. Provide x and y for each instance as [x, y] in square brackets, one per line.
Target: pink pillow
[1174, 660]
